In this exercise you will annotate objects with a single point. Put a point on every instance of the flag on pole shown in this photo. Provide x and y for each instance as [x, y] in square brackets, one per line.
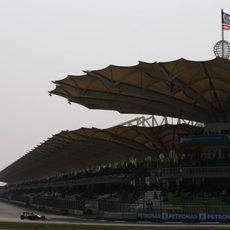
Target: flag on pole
[225, 21]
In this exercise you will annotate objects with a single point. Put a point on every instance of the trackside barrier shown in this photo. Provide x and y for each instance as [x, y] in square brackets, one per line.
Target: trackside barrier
[183, 217]
[13, 201]
[88, 206]
[60, 210]
[58, 203]
[118, 215]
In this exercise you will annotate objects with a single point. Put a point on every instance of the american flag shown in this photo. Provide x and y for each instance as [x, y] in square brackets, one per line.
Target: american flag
[225, 21]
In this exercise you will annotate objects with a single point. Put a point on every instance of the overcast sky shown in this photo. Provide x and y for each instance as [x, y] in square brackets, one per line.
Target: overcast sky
[45, 40]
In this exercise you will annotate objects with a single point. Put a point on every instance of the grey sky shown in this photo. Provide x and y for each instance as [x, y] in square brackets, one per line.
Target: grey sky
[44, 40]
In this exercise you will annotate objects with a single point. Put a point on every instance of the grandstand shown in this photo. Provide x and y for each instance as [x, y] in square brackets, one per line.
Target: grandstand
[150, 170]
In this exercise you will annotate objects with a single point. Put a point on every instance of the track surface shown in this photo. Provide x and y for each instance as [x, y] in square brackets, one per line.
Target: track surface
[11, 213]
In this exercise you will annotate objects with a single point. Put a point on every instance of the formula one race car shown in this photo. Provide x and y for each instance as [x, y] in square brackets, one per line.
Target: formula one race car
[31, 216]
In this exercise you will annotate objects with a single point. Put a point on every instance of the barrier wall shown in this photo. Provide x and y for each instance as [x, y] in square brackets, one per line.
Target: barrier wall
[183, 217]
[13, 201]
[118, 215]
[58, 210]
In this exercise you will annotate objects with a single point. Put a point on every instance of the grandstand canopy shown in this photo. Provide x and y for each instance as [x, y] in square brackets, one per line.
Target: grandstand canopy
[193, 90]
[70, 151]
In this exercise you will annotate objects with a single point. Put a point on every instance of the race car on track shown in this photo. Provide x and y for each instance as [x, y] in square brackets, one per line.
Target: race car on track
[31, 216]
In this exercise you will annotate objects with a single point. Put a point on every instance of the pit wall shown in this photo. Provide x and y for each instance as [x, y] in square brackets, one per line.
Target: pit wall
[118, 215]
[183, 217]
[13, 201]
[58, 210]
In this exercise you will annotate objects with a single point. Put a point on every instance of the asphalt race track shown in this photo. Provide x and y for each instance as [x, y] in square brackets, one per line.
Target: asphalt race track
[11, 213]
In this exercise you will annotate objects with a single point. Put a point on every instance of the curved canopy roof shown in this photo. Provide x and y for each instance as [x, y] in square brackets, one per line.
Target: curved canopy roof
[70, 151]
[193, 90]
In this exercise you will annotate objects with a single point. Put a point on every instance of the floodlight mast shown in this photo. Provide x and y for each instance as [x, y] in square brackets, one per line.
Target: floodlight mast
[222, 15]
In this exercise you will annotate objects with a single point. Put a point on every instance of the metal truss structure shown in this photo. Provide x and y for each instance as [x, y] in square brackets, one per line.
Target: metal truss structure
[152, 121]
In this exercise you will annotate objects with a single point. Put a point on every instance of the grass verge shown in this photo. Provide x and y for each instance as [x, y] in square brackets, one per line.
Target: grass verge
[38, 226]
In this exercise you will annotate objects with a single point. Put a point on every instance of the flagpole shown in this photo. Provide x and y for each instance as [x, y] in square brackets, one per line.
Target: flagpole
[222, 14]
